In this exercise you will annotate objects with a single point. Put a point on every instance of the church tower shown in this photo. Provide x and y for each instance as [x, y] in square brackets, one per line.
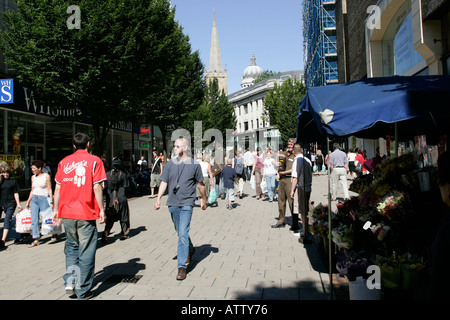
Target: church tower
[215, 61]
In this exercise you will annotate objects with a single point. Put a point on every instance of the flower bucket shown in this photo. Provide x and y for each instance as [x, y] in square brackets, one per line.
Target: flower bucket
[391, 276]
[358, 290]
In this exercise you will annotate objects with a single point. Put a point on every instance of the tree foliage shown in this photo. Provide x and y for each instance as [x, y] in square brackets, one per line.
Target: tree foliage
[129, 61]
[282, 103]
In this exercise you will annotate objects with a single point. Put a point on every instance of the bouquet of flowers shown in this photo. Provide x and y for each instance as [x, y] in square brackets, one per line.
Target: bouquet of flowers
[393, 206]
[410, 266]
[319, 220]
[361, 183]
[390, 271]
[372, 196]
[380, 230]
[343, 236]
[353, 266]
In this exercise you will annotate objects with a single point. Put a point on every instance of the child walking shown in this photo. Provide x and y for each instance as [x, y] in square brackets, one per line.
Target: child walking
[229, 176]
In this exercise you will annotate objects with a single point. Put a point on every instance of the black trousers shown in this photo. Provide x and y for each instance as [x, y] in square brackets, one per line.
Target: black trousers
[303, 207]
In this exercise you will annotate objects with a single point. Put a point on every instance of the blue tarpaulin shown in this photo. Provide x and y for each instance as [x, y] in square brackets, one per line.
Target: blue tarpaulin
[369, 108]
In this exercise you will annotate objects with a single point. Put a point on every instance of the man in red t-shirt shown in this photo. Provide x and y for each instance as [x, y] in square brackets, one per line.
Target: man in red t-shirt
[79, 203]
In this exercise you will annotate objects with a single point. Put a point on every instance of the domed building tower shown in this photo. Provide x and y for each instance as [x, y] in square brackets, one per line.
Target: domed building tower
[251, 73]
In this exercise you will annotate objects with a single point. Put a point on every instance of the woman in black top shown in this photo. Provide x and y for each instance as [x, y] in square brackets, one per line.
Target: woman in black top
[9, 197]
[116, 200]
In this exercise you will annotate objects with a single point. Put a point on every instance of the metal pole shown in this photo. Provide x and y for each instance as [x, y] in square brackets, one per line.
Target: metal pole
[329, 224]
[396, 140]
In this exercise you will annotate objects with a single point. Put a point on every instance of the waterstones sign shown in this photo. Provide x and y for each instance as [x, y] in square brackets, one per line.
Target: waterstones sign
[19, 98]
[6, 91]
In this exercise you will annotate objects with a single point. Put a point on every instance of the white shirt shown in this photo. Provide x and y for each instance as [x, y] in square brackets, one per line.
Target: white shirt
[351, 156]
[248, 158]
[294, 166]
[268, 166]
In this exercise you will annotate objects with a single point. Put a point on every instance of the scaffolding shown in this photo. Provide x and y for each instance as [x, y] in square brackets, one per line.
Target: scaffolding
[319, 42]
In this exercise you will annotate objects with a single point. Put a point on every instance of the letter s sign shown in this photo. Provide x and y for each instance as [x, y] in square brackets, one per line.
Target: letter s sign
[6, 91]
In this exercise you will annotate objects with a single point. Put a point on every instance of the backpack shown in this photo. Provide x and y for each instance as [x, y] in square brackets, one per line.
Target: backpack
[239, 166]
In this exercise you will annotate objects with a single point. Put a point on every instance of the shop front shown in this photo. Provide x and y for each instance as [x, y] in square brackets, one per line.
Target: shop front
[31, 132]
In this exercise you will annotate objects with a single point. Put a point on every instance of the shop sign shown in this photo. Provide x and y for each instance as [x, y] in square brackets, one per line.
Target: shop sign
[271, 134]
[12, 160]
[6, 91]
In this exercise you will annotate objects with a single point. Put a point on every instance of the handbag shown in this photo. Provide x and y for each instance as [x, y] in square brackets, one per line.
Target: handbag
[358, 167]
[216, 169]
[23, 221]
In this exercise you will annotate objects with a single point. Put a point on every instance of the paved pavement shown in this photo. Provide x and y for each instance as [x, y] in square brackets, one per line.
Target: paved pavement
[238, 256]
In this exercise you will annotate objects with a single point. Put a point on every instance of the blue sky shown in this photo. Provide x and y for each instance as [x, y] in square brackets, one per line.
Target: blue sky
[270, 29]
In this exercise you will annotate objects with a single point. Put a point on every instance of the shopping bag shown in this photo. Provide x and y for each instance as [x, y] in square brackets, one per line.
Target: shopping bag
[56, 228]
[263, 186]
[324, 168]
[23, 221]
[212, 197]
[314, 168]
[47, 226]
[252, 182]
[47, 221]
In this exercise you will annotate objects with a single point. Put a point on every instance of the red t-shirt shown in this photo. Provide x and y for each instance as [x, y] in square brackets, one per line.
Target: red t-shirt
[76, 176]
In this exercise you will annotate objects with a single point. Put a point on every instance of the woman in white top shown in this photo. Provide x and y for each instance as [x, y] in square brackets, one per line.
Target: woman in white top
[41, 189]
[351, 157]
[269, 174]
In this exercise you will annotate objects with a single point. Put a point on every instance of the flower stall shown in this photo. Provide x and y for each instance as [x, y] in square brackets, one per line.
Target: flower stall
[389, 224]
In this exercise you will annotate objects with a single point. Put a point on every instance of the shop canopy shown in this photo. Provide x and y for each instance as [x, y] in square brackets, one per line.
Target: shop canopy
[371, 108]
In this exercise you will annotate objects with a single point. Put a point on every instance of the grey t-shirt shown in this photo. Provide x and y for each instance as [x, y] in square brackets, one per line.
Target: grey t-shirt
[186, 174]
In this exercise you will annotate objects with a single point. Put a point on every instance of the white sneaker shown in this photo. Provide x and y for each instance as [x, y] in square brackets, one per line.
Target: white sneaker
[297, 234]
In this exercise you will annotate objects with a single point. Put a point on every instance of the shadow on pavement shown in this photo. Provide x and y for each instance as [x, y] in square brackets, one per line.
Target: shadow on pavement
[201, 252]
[114, 272]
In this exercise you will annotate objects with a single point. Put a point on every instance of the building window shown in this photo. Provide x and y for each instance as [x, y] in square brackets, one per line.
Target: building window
[246, 125]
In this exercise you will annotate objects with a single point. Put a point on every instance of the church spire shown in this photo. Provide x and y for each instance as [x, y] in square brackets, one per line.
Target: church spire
[215, 61]
[215, 70]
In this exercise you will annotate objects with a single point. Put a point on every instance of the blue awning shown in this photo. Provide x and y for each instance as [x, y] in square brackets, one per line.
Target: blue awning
[369, 108]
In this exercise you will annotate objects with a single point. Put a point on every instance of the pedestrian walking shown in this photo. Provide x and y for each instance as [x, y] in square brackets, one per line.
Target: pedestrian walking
[351, 157]
[302, 183]
[319, 161]
[239, 167]
[229, 176]
[258, 168]
[79, 203]
[157, 168]
[248, 163]
[269, 174]
[208, 178]
[285, 184]
[181, 176]
[41, 189]
[339, 170]
[9, 200]
[117, 208]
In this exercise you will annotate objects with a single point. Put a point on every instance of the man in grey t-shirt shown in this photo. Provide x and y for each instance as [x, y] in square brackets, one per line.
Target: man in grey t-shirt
[339, 170]
[182, 175]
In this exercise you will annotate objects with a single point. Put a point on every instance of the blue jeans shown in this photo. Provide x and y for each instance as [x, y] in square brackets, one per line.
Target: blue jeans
[270, 180]
[181, 217]
[9, 212]
[80, 248]
[38, 204]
